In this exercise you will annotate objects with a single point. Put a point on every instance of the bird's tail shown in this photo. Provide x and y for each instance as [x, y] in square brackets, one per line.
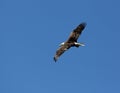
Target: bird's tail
[79, 44]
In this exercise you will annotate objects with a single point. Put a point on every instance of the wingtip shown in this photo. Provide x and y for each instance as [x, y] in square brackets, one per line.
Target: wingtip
[84, 24]
[55, 59]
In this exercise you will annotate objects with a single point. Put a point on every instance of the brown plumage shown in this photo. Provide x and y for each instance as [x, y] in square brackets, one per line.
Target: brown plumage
[71, 42]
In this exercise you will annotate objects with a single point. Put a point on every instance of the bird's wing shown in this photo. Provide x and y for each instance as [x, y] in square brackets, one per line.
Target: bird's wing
[76, 33]
[60, 51]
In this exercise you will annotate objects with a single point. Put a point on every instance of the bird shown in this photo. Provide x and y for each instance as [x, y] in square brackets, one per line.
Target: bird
[71, 41]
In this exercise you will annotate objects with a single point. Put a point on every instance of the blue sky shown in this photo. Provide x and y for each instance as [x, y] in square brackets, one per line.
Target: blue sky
[30, 32]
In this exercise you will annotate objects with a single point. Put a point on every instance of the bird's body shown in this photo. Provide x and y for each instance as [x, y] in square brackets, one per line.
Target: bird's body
[71, 42]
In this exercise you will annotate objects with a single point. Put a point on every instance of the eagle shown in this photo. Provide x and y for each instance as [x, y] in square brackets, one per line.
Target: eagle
[71, 42]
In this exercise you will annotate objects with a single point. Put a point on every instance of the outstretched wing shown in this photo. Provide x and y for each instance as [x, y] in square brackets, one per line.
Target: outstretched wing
[60, 51]
[76, 33]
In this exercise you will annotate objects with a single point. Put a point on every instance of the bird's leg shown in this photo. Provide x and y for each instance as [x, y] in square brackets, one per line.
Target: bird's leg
[78, 44]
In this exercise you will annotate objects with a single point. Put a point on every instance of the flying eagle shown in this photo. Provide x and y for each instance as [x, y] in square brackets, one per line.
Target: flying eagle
[71, 42]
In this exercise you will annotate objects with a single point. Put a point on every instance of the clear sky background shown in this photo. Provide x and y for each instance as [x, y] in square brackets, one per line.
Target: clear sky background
[30, 32]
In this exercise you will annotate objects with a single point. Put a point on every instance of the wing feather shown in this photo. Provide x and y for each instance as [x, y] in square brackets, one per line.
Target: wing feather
[76, 33]
[60, 51]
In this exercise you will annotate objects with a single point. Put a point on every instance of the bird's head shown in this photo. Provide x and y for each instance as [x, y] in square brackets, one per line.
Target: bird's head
[62, 44]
